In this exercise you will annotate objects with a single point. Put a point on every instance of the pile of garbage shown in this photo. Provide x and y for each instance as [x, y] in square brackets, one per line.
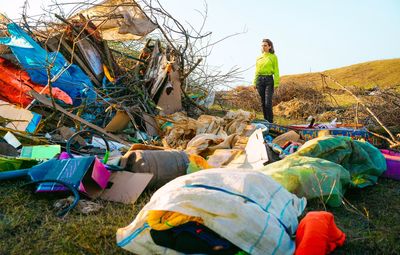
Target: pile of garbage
[74, 120]
[69, 76]
[218, 209]
[71, 105]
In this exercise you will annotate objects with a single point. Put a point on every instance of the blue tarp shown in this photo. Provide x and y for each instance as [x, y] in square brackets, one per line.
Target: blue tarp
[36, 60]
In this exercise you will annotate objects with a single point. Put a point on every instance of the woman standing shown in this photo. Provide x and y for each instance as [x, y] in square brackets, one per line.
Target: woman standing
[267, 77]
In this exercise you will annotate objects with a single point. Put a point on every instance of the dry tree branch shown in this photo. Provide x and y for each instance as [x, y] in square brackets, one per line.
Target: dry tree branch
[394, 143]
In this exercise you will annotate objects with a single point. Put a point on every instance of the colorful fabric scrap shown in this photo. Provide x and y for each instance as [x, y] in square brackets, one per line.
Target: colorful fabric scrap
[162, 220]
[196, 163]
[318, 234]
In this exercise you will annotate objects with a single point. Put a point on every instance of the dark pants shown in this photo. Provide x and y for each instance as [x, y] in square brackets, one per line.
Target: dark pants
[265, 87]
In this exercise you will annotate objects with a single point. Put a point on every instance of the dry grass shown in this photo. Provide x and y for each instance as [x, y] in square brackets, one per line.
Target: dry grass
[377, 83]
[28, 224]
[299, 109]
[241, 97]
[382, 73]
[371, 225]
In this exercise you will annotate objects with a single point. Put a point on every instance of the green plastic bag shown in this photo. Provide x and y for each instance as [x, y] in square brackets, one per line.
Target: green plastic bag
[325, 167]
[311, 178]
[364, 161]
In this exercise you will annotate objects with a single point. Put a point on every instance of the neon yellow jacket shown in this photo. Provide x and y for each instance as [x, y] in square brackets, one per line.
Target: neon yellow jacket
[267, 64]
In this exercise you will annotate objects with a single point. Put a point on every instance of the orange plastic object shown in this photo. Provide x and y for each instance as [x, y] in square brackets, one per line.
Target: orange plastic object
[16, 83]
[318, 234]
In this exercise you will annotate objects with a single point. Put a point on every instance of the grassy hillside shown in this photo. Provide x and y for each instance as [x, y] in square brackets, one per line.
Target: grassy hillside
[302, 95]
[382, 73]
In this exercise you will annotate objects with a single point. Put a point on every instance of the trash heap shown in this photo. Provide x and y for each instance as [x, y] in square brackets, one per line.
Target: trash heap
[72, 102]
[78, 116]
[68, 75]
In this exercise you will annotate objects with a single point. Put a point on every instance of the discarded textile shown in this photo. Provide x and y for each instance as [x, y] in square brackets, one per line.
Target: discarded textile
[193, 238]
[163, 220]
[318, 234]
[245, 207]
[68, 77]
[311, 178]
[15, 85]
[364, 162]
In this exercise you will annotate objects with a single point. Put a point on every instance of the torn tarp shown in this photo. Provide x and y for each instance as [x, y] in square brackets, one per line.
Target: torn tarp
[15, 85]
[119, 20]
[68, 77]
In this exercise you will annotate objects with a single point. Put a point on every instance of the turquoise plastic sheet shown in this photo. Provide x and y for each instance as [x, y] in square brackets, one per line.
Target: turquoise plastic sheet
[363, 161]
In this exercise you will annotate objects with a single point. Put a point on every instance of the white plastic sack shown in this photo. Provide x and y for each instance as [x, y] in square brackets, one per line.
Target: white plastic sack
[244, 206]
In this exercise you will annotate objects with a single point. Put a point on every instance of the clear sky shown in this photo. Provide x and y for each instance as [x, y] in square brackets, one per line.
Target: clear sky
[308, 35]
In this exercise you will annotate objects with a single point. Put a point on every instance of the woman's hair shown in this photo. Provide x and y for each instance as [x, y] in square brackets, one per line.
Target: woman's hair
[271, 50]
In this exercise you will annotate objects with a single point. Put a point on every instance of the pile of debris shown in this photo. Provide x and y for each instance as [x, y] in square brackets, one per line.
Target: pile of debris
[72, 101]
[67, 75]
[77, 115]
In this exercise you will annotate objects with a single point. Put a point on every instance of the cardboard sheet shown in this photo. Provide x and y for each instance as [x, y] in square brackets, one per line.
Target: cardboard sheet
[118, 123]
[22, 119]
[126, 187]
